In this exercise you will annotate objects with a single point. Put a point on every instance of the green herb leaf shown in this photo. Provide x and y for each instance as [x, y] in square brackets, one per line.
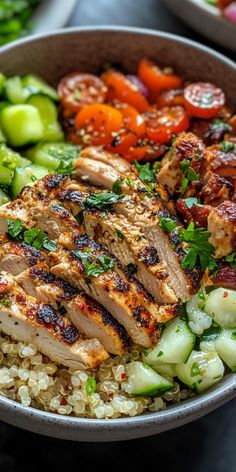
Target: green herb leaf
[167, 224]
[119, 233]
[90, 386]
[39, 241]
[160, 353]
[95, 265]
[231, 257]
[202, 294]
[15, 227]
[116, 187]
[210, 334]
[102, 201]
[195, 370]
[184, 184]
[80, 217]
[233, 336]
[227, 146]
[145, 172]
[190, 201]
[50, 245]
[200, 248]
[129, 182]
[30, 235]
[65, 167]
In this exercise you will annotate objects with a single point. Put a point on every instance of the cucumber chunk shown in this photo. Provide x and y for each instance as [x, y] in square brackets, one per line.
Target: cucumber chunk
[51, 155]
[2, 82]
[3, 197]
[11, 159]
[226, 347]
[201, 371]
[21, 124]
[176, 343]
[2, 137]
[144, 381]
[5, 175]
[37, 85]
[26, 176]
[14, 90]
[198, 320]
[48, 114]
[221, 306]
[166, 370]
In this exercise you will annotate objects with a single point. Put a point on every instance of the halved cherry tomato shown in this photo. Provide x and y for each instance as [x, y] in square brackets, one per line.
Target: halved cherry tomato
[163, 123]
[133, 121]
[77, 90]
[122, 142]
[170, 98]
[133, 127]
[155, 78]
[145, 152]
[120, 87]
[203, 99]
[98, 122]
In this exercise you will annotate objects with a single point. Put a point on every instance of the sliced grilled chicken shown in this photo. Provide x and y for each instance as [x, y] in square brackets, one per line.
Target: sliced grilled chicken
[145, 212]
[126, 299]
[125, 240]
[222, 226]
[89, 317]
[15, 257]
[31, 321]
[115, 161]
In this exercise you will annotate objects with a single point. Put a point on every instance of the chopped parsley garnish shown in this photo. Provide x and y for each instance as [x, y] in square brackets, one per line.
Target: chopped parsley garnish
[14, 227]
[131, 269]
[200, 248]
[50, 245]
[160, 353]
[35, 238]
[102, 201]
[189, 175]
[146, 172]
[167, 224]
[231, 258]
[190, 201]
[227, 146]
[129, 182]
[202, 294]
[90, 386]
[116, 187]
[65, 167]
[94, 265]
[195, 370]
[210, 334]
[233, 336]
[119, 233]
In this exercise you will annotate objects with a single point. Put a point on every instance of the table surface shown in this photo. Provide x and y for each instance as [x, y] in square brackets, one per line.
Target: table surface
[206, 444]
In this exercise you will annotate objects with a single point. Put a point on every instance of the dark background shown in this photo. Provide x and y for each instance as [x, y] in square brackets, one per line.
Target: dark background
[208, 444]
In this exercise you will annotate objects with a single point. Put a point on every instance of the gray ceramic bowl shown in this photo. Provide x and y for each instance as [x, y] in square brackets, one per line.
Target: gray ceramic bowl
[87, 49]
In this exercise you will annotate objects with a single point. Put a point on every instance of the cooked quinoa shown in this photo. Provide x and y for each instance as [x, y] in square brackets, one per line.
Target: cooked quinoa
[33, 380]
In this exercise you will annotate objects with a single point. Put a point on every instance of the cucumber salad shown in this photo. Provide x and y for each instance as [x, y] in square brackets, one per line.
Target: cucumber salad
[108, 141]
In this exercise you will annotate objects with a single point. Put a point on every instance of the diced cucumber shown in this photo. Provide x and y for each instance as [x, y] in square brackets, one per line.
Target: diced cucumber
[2, 82]
[21, 124]
[143, 380]
[201, 371]
[48, 113]
[221, 306]
[2, 137]
[37, 85]
[14, 90]
[197, 318]
[26, 176]
[52, 154]
[226, 347]
[5, 175]
[207, 346]
[176, 343]
[11, 159]
[3, 197]
[167, 370]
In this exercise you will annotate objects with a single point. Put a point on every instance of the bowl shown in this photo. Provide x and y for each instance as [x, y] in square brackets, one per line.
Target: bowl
[52, 56]
[206, 19]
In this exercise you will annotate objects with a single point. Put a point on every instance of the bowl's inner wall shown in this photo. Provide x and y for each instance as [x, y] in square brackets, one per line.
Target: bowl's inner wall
[54, 56]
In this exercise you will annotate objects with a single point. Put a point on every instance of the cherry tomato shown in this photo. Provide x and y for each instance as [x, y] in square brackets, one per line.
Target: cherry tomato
[163, 123]
[77, 90]
[203, 99]
[122, 142]
[98, 122]
[133, 127]
[120, 87]
[133, 121]
[155, 78]
[145, 152]
[170, 98]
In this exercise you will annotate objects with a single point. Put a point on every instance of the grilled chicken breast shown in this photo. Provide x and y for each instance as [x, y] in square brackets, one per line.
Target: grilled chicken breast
[145, 212]
[15, 257]
[29, 320]
[88, 316]
[222, 226]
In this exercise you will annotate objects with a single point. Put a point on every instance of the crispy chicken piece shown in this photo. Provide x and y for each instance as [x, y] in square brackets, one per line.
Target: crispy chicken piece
[216, 190]
[16, 256]
[222, 226]
[89, 317]
[31, 321]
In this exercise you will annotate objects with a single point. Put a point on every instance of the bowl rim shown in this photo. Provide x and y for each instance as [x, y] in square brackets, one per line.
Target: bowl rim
[184, 411]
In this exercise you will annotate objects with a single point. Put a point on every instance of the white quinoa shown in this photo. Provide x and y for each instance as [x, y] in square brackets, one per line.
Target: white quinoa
[33, 380]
